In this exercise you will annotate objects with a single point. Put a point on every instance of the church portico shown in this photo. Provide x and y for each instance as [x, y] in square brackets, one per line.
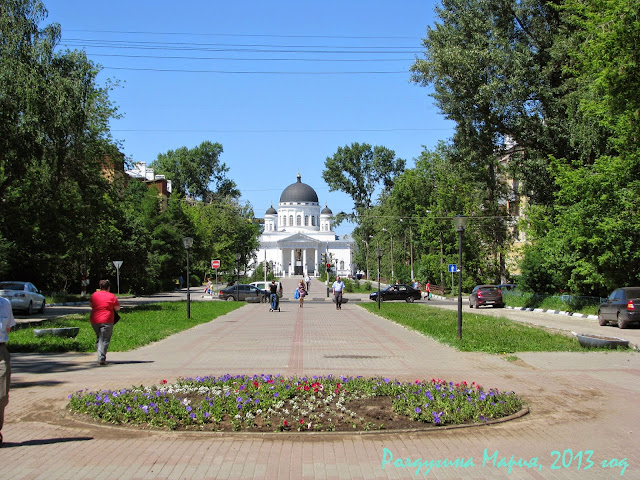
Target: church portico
[299, 232]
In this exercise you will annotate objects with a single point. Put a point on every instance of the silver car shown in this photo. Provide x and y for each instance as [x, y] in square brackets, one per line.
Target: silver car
[23, 296]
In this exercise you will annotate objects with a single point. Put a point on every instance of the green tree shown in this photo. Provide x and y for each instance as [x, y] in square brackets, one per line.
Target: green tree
[197, 172]
[54, 144]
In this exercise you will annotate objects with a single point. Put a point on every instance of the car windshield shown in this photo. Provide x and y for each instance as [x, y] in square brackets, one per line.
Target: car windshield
[11, 286]
[489, 289]
[632, 293]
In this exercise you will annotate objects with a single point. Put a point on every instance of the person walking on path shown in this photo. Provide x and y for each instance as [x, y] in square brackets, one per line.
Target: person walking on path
[428, 289]
[301, 292]
[6, 323]
[103, 305]
[338, 288]
[307, 281]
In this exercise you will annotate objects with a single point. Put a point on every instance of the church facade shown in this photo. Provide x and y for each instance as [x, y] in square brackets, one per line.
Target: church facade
[297, 234]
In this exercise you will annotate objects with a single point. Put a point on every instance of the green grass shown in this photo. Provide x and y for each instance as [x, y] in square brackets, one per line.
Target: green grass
[138, 327]
[547, 302]
[480, 333]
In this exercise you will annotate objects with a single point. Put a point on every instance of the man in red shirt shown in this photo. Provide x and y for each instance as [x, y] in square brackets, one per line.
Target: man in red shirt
[103, 304]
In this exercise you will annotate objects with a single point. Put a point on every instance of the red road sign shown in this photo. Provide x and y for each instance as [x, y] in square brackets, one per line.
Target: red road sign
[215, 263]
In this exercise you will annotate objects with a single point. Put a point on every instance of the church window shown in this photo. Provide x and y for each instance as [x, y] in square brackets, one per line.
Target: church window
[298, 221]
[306, 220]
[291, 220]
[313, 220]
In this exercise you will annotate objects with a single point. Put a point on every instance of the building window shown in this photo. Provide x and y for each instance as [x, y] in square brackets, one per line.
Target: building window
[298, 221]
[291, 220]
[306, 220]
[313, 220]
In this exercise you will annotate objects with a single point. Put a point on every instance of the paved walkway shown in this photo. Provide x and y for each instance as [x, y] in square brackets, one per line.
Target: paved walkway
[579, 402]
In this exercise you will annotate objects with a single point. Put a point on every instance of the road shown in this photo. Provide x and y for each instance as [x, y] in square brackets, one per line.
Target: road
[561, 322]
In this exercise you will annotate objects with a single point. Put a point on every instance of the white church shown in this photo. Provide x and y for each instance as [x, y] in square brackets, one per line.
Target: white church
[297, 234]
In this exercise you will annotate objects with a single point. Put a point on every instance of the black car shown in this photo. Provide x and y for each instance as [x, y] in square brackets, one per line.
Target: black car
[621, 307]
[486, 295]
[246, 293]
[397, 292]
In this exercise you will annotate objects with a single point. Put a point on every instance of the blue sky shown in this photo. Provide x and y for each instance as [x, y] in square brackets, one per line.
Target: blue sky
[281, 85]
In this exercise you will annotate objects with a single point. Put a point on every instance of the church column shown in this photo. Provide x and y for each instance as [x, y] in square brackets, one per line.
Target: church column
[293, 261]
[304, 261]
[317, 265]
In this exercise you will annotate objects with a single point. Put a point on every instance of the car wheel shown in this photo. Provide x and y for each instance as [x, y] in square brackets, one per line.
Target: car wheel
[621, 322]
[601, 321]
[230, 299]
[30, 308]
[42, 307]
[477, 304]
[470, 305]
[410, 299]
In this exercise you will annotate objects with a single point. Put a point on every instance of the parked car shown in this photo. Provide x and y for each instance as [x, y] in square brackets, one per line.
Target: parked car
[621, 307]
[246, 293]
[266, 286]
[23, 296]
[397, 292]
[486, 295]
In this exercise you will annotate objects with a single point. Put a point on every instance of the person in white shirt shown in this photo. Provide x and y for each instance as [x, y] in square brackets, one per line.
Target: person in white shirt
[338, 288]
[6, 323]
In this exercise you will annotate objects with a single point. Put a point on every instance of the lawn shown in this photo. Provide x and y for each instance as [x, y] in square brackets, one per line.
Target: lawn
[138, 327]
[480, 333]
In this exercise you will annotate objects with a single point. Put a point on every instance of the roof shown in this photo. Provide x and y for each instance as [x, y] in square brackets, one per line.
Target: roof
[299, 193]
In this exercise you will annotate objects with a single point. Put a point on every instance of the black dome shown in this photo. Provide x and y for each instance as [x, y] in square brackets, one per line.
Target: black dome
[326, 210]
[299, 193]
[271, 211]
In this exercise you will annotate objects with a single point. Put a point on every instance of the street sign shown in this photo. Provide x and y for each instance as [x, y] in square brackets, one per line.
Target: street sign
[215, 263]
[118, 264]
[453, 267]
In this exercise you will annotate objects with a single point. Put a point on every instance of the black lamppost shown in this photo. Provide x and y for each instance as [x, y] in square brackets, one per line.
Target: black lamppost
[238, 256]
[379, 253]
[188, 243]
[460, 222]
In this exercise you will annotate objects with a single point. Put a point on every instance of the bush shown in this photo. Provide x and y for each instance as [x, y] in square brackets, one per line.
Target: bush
[367, 285]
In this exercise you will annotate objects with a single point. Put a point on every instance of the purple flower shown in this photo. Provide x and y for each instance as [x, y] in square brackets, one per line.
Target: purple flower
[188, 409]
[276, 394]
[417, 410]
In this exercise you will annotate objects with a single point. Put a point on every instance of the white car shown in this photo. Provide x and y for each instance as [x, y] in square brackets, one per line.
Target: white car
[267, 285]
[23, 296]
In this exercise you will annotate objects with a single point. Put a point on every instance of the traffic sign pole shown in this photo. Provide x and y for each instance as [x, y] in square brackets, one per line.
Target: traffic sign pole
[118, 264]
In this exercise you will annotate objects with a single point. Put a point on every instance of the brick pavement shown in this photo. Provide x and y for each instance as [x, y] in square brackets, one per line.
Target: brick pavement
[578, 401]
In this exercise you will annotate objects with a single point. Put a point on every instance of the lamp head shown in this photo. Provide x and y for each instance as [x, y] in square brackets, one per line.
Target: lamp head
[460, 222]
[379, 252]
[188, 242]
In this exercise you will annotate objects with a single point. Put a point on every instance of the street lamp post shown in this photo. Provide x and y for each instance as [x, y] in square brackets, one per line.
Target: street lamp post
[238, 276]
[391, 235]
[188, 243]
[379, 253]
[410, 250]
[460, 222]
[366, 242]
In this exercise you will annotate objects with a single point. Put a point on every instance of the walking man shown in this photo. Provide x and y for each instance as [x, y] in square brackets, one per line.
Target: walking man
[103, 305]
[338, 288]
[6, 322]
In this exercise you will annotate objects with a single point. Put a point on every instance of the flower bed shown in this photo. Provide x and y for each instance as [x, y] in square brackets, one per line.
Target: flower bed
[264, 403]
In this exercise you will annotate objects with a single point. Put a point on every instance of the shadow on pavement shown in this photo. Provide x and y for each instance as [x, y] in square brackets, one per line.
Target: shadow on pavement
[48, 383]
[44, 441]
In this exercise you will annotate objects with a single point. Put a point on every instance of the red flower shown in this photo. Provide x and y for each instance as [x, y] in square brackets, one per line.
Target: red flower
[306, 388]
[255, 384]
[164, 382]
[285, 423]
[301, 421]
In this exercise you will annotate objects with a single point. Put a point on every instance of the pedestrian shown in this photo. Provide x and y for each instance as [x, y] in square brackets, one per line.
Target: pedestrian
[6, 323]
[103, 305]
[181, 281]
[301, 292]
[307, 281]
[428, 289]
[338, 288]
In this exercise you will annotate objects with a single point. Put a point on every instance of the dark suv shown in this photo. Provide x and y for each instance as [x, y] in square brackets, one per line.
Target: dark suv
[246, 293]
[486, 295]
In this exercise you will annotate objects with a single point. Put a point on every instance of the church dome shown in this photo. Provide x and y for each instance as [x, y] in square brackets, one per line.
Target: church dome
[299, 193]
[271, 211]
[326, 210]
